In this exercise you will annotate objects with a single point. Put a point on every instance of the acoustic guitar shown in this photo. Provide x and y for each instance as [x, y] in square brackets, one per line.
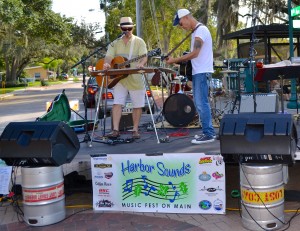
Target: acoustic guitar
[120, 62]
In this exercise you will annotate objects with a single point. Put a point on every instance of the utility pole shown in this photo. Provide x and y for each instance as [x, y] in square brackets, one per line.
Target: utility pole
[139, 31]
[103, 6]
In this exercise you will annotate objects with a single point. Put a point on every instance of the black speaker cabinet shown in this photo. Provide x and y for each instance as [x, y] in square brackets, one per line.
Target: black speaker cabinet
[125, 121]
[258, 137]
[38, 144]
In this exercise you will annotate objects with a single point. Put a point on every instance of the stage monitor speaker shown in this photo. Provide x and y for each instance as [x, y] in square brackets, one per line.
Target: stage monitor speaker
[38, 144]
[258, 137]
[264, 103]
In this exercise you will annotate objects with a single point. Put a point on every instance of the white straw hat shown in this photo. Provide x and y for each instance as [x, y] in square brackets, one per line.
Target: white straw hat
[126, 22]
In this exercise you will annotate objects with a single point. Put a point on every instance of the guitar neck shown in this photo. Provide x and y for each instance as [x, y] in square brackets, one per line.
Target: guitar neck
[131, 60]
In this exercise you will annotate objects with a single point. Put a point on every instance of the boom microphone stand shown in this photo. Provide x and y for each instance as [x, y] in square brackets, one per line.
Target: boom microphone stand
[83, 63]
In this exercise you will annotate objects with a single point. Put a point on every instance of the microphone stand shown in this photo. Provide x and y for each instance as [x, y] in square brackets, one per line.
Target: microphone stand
[83, 63]
[252, 55]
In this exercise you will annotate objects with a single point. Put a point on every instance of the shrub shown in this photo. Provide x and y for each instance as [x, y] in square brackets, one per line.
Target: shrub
[44, 83]
[12, 84]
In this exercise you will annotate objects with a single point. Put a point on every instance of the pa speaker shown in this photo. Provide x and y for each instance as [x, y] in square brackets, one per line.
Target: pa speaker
[258, 137]
[38, 144]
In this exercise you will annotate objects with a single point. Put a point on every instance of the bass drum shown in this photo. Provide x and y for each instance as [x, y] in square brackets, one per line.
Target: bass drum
[179, 110]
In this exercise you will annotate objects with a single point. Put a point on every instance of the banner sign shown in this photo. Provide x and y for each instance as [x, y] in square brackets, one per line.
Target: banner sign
[168, 183]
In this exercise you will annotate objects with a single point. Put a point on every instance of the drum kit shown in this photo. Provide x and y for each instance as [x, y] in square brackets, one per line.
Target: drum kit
[179, 109]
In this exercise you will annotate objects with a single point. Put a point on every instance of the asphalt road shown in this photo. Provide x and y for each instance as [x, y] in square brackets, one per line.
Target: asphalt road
[29, 104]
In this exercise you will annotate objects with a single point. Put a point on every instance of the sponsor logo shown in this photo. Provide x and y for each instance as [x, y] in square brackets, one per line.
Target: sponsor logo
[218, 205]
[217, 175]
[205, 204]
[205, 160]
[211, 190]
[204, 176]
[100, 158]
[104, 204]
[102, 183]
[98, 177]
[103, 190]
[108, 175]
[219, 160]
[102, 165]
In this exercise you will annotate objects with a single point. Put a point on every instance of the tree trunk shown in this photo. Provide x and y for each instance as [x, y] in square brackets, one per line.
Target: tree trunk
[11, 70]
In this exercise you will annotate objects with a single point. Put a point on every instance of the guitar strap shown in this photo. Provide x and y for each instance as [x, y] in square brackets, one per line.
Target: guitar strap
[131, 47]
[175, 48]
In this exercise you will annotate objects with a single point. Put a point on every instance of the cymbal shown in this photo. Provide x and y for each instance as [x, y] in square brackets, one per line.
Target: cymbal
[125, 71]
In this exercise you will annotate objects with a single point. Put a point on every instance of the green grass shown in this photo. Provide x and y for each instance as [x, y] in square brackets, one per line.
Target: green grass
[30, 84]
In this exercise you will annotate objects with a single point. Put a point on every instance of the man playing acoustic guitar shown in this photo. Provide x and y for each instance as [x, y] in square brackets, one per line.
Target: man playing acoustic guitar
[128, 46]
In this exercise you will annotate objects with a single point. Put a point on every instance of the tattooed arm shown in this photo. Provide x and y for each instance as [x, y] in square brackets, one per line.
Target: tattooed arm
[197, 47]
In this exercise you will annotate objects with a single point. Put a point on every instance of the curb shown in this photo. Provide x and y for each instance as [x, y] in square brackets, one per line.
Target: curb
[2, 97]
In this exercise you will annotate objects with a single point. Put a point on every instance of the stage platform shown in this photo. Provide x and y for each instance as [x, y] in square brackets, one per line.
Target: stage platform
[171, 140]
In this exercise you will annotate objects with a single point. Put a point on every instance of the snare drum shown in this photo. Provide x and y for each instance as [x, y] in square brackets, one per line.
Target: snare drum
[176, 87]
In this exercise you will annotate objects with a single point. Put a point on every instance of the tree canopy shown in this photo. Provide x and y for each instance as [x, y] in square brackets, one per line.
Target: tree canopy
[221, 16]
[30, 32]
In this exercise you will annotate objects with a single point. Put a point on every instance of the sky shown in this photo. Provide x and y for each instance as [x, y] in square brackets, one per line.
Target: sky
[87, 10]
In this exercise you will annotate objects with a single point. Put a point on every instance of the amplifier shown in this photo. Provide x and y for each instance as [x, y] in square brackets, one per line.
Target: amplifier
[264, 102]
[125, 121]
[264, 158]
[258, 137]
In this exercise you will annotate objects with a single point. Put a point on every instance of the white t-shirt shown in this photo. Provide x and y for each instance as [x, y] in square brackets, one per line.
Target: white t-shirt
[204, 62]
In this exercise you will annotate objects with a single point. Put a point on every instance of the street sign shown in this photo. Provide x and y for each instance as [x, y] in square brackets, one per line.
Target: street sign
[295, 11]
[296, 23]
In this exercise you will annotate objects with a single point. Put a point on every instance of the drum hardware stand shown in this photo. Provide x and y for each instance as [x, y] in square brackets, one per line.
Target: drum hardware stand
[162, 82]
[160, 114]
[83, 62]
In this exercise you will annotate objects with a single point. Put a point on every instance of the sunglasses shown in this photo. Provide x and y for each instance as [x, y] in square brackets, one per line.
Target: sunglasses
[126, 28]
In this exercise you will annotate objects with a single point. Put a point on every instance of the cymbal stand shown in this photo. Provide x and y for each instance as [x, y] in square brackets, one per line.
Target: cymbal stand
[150, 109]
[160, 113]
[237, 94]
[281, 77]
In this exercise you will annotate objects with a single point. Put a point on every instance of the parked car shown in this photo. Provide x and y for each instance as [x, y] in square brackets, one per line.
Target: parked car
[107, 97]
[91, 90]
[65, 75]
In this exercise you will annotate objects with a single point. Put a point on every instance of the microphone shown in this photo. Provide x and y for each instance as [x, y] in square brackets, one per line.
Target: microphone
[122, 35]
